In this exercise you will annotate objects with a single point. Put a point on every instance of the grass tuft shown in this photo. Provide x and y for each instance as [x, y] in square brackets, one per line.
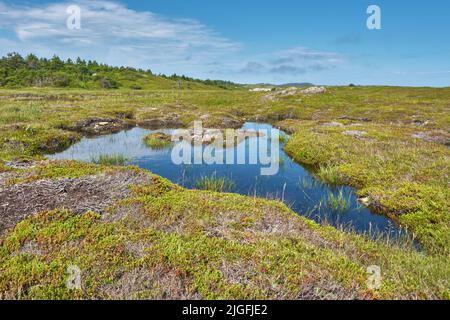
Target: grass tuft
[110, 159]
[329, 175]
[338, 202]
[216, 184]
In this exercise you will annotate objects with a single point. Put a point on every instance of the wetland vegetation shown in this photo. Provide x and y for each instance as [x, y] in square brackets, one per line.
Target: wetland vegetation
[123, 224]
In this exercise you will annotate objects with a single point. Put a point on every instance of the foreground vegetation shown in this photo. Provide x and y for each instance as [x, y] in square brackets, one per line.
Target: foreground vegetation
[390, 143]
[166, 242]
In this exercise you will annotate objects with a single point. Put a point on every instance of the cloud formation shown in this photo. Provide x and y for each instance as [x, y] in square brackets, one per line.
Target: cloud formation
[112, 33]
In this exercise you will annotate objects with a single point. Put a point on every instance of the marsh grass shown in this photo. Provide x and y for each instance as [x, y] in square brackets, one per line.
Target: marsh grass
[329, 175]
[214, 183]
[22, 113]
[339, 202]
[110, 159]
[404, 175]
[203, 236]
[308, 183]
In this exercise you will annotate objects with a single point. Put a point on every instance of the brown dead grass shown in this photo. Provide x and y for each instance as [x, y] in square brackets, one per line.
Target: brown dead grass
[89, 193]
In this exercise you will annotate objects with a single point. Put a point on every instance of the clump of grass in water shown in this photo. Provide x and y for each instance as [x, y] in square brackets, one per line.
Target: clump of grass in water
[329, 175]
[214, 183]
[308, 183]
[157, 140]
[338, 202]
[110, 159]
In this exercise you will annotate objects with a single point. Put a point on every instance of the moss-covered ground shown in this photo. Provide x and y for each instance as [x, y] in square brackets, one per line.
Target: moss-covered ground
[168, 242]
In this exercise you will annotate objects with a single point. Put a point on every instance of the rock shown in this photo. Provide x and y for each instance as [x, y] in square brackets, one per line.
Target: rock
[227, 122]
[436, 136]
[420, 122]
[314, 90]
[291, 91]
[419, 135]
[21, 164]
[207, 139]
[282, 93]
[355, 133]
[365, 201]
[333, 124]
[217, 136]
[260, 90]
[354, 119]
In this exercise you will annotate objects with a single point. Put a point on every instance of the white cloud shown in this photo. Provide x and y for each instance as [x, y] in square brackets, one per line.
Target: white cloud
[112, 33]
[115, 34]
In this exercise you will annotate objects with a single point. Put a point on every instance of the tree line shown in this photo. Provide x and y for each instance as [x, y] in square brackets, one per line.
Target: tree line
[31, 71]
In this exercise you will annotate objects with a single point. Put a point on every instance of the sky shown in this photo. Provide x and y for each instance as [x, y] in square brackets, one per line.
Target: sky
[246, 41]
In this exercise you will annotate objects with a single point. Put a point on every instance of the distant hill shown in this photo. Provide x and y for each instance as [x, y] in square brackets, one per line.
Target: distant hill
[31, 71]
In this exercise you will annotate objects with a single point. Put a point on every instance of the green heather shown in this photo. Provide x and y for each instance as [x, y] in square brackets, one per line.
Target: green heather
[390, 143]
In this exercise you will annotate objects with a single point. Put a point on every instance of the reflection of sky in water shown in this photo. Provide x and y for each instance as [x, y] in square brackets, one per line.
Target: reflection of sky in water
[300, 191]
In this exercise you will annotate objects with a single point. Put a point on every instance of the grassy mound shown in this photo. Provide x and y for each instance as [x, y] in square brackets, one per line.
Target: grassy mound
[157, 140]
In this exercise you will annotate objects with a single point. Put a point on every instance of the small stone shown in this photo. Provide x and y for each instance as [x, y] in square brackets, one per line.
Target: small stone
[355, 133]
[332, 124]
[365, 201]
[207, 139]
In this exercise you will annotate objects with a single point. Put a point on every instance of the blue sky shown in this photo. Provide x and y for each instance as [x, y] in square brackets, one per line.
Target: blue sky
[323, 41]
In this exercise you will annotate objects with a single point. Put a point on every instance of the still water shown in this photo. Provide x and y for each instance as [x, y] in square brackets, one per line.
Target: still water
[293, 184]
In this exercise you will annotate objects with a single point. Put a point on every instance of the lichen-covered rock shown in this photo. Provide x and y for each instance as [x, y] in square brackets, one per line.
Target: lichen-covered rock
[314, 90]
[355, 133]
